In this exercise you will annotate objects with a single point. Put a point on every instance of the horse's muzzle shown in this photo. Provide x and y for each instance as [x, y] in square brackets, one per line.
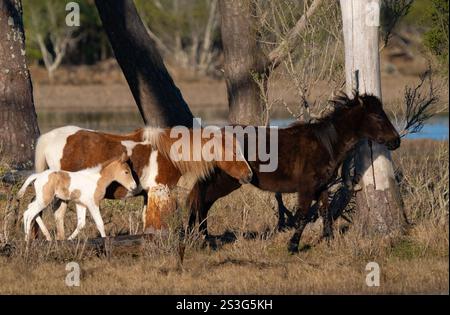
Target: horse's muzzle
[394, 144]
[133, 188]
[247, 179]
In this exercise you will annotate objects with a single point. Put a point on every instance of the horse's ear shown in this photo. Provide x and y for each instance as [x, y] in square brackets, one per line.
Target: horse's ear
[124, 157]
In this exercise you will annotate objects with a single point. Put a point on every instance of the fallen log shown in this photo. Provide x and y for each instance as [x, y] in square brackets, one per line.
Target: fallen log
[107, 245]
[14, 177]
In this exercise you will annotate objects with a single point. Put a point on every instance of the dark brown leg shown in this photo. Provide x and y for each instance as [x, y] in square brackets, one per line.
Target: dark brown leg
[282, 210]
[327, 215]
[195, 202]
[205, 193]
[283, 214]
[301, 218]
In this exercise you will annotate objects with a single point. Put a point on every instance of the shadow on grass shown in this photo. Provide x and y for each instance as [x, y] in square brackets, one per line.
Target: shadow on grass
[246, 262]
[215, 242]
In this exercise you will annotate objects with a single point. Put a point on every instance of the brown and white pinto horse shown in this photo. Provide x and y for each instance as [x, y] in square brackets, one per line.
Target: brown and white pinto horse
[71, 148]
[86, 188]
[309, 156]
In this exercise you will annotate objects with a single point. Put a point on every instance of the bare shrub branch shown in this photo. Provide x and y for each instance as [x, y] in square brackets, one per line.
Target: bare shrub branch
[419, 104]
[392, 11]
[317, 57]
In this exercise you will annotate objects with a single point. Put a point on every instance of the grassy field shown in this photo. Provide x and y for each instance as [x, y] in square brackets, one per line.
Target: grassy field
[252, 257]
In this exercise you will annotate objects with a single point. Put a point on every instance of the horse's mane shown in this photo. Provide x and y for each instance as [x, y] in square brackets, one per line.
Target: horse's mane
[160, 139]
[323, 128]
[340, 103]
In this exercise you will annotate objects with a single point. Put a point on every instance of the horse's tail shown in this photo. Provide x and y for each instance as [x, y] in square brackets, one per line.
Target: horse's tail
[28, 181]
[40, 162]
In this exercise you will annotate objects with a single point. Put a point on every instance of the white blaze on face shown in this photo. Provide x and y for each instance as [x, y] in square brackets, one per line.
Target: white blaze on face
[55, 143]
[129, 146]
[150, 172]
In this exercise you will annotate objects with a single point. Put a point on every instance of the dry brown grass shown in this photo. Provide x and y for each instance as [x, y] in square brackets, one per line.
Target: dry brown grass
[256, 261]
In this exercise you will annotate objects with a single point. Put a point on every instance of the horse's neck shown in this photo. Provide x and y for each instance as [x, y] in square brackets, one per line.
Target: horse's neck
[106, 178]
[345, 139]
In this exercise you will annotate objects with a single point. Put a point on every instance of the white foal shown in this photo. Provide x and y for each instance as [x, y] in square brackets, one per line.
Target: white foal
[86, 188]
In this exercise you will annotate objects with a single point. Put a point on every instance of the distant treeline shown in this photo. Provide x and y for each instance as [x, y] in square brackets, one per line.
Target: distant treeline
[186, 31]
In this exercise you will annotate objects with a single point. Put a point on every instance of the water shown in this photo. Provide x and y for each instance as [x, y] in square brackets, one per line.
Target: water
[436, 128]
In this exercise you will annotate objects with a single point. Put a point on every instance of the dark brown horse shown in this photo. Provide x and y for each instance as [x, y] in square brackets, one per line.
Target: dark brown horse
[309, 156]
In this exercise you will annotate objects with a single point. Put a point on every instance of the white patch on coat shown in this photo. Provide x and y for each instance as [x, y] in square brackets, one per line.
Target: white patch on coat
[150, 172]
[39, 184]
[54, 143]
[129, 146]
[86, 182]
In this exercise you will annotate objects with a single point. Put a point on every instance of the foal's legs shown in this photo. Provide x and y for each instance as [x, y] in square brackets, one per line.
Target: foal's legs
[34, 208]
[59, 218]
[301, 218]
[95, 213]
[81, 221]
[43, 228]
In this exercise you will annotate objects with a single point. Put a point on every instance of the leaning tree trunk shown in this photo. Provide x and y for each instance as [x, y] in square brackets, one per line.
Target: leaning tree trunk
[244, 61]
[18, 123]
[159, 100]
[380, 208]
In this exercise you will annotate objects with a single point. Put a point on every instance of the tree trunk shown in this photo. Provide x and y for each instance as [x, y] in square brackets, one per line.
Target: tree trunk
[159, 100]
[18, 122]
[244, 61]
[380, 208]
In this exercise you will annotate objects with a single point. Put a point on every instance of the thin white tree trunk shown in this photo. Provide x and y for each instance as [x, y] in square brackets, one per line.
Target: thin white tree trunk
[379, 202]
[205, 53]
[60, 48]
[194, 50]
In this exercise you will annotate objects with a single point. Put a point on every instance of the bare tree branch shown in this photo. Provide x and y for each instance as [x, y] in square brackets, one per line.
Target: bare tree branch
[161, 46]
[276, 55]
[392, 12]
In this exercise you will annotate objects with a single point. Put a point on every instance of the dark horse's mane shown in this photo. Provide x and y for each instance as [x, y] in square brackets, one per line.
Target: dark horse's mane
[341, 103]
[323, 128]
